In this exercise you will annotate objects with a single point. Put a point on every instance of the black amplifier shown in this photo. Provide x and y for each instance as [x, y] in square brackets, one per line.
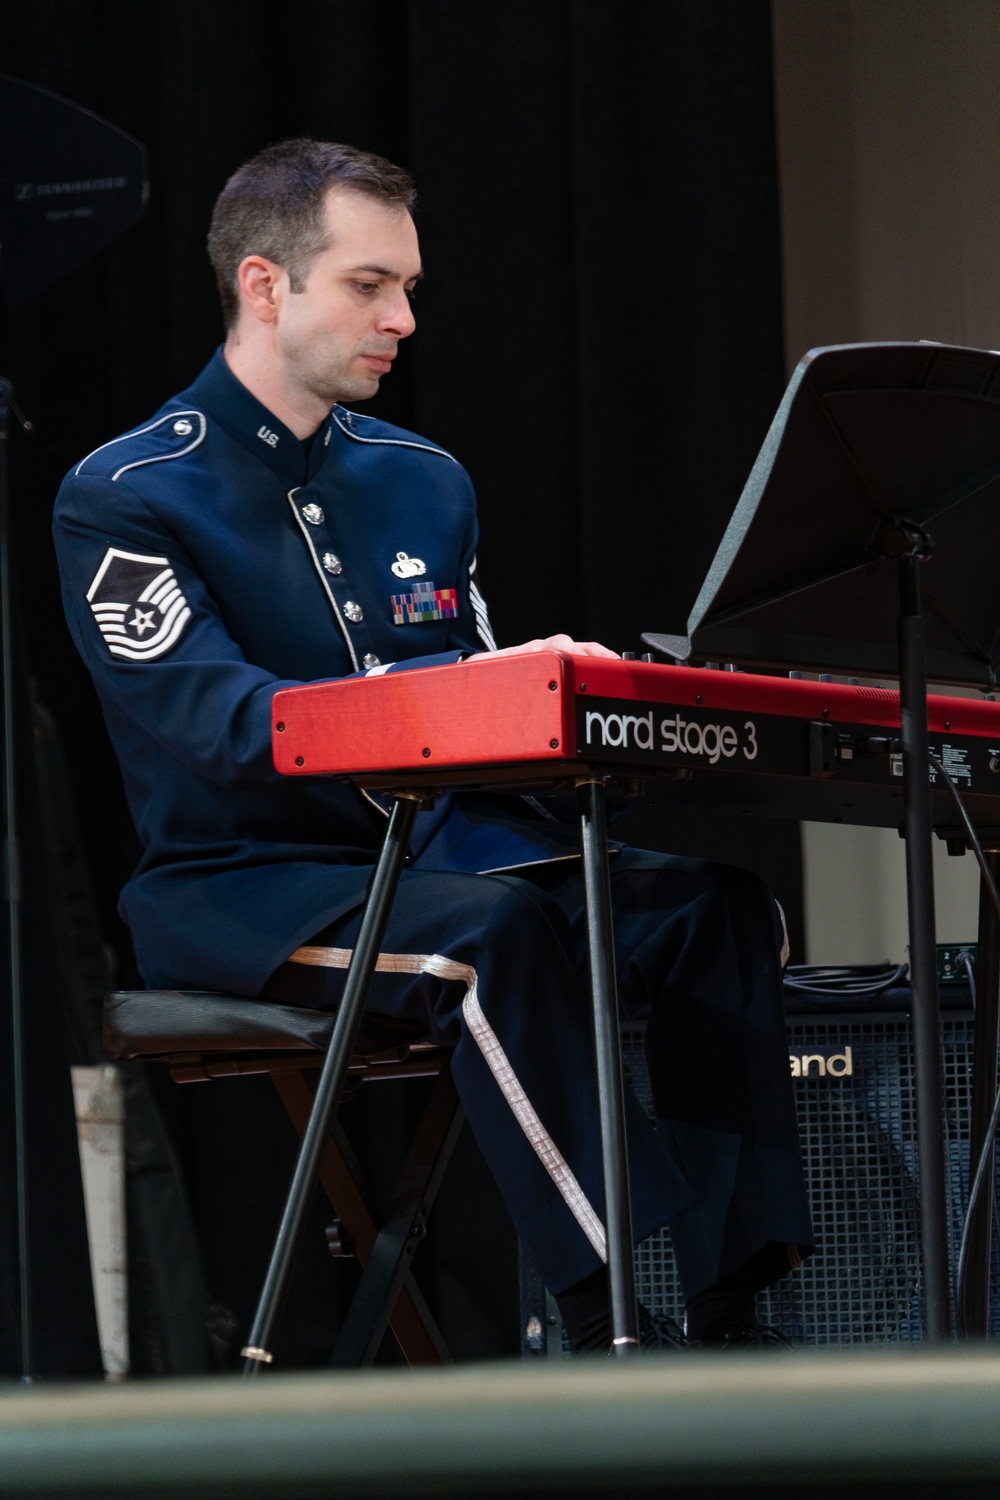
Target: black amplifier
[852, 1066]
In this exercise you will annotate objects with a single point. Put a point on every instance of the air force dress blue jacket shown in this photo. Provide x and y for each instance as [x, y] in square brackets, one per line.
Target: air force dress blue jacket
[209, 558]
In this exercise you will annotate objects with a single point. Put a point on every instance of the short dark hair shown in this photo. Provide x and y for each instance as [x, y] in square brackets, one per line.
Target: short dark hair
[273, 206]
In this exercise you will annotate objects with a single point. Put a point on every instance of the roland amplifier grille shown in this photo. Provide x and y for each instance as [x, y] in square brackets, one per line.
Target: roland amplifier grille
[854, 1096]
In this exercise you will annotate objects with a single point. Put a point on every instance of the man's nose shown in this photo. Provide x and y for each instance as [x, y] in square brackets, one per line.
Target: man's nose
[398, 319]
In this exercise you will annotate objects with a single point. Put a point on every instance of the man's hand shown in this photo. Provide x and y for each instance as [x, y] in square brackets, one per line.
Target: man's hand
[550, 643]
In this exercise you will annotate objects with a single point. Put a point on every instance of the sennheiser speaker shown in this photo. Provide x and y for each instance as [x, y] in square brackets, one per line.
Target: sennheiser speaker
[852, 1071]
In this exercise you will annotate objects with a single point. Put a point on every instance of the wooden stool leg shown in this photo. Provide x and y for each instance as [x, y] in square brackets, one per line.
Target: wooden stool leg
[411, 1320]
[404, 1227]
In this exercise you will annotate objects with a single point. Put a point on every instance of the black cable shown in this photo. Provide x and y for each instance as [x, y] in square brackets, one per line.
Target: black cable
[970, 975]
[986, 1155]
[970, 832]
[844, 979]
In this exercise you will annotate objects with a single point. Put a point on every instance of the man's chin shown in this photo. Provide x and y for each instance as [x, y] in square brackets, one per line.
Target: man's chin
[358, 388]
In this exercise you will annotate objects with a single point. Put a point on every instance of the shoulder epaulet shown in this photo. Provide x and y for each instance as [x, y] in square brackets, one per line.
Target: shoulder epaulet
[370, 430]
[168, 437]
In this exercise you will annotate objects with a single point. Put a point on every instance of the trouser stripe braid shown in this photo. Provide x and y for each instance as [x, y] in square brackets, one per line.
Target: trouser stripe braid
[496, 1060]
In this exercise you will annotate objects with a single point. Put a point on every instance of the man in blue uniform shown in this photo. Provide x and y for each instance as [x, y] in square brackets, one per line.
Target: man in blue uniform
[256, 533]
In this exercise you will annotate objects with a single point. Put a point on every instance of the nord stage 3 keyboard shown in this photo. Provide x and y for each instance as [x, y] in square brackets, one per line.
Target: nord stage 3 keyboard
[730, 742]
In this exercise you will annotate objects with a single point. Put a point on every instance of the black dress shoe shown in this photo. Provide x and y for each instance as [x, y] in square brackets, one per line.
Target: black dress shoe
[659, 1332]
[753, 1336]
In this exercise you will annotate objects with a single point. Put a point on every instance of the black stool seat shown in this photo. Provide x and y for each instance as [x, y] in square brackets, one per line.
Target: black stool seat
[139, 1022]
[206, 1034]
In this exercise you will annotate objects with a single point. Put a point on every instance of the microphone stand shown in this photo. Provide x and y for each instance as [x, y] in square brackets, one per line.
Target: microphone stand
[12, 889]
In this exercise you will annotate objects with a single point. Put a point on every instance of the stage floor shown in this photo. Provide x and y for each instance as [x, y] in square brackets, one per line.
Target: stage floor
[903, 1422]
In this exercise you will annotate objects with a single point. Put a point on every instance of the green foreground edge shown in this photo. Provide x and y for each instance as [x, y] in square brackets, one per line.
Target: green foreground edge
[733, 1424]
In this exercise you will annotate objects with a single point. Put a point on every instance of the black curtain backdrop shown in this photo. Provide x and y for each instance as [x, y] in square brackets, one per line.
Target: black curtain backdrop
[599, 335]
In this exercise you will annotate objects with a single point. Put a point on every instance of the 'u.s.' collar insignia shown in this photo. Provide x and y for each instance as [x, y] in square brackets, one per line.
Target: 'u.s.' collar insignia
[426, 603]
[408, 567]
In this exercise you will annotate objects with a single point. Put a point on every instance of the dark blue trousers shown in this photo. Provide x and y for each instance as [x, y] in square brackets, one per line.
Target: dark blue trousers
[495, 966]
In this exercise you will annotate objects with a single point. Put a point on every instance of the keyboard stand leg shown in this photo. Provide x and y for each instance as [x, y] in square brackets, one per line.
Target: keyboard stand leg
[974, 1312]
[381, 894]
[610, 1087]
[923, 951]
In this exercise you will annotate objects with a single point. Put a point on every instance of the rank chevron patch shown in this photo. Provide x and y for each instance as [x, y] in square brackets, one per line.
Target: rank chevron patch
[137, 604]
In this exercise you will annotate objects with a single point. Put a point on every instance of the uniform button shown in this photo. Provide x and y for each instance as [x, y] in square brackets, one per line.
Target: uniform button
[313, 514]
[183, 427]
[332, 563]
[371, 660]
[354, 612]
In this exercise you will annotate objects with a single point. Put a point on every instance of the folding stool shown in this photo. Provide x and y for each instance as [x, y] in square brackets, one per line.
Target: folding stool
[202, 1035]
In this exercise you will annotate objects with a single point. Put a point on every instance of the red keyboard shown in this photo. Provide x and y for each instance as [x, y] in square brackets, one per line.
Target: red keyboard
[738, 742]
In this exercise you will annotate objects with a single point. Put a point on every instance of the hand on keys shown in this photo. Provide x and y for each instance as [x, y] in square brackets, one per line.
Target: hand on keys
[550, 643]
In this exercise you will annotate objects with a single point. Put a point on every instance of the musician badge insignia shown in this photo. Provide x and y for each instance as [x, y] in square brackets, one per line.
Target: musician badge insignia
[408, 567]
[426, 603]
[138, 604]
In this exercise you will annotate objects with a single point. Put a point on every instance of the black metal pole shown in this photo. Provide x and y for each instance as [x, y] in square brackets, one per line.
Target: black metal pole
[923, 949]
[610, 1087]
[381, 894]
[12, 900]
[974, 1310]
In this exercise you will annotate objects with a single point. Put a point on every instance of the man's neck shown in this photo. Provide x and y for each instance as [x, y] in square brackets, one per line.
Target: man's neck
[259, 370]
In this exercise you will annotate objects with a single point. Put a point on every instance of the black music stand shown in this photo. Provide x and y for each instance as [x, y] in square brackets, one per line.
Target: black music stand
[881, 470]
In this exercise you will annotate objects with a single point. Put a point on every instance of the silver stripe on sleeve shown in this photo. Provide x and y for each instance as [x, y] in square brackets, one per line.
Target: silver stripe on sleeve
[478, 603]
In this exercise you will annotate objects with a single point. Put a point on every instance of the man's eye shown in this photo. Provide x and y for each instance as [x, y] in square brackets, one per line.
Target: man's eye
[411, 293]
[366, 287]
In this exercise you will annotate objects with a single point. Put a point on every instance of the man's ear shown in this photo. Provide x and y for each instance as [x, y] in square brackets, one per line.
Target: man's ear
[259, 282]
